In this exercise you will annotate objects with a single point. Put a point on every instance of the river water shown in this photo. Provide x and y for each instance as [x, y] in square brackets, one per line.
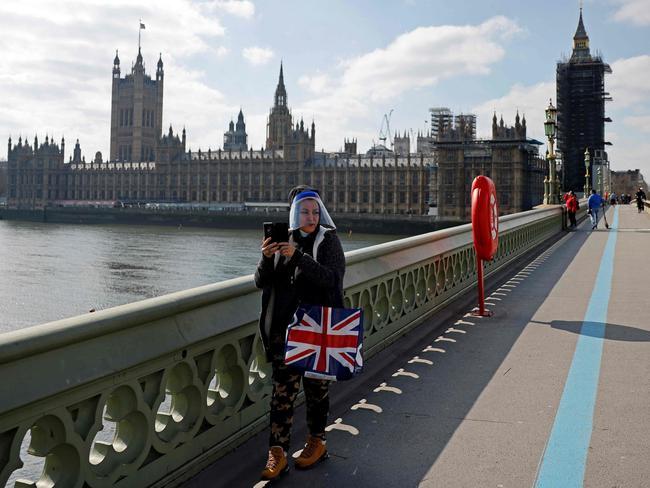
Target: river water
[53, 271]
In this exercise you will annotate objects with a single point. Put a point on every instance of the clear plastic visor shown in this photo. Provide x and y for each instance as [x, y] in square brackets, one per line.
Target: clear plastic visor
[307, 212]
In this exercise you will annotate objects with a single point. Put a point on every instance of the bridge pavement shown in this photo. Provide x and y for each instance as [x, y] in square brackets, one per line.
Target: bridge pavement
[471, 402]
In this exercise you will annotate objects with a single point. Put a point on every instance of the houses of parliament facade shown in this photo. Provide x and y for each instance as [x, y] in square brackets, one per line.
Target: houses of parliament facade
[149, 165]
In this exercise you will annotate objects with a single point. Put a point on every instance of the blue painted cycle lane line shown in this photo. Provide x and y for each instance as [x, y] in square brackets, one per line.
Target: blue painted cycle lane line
[565, 457]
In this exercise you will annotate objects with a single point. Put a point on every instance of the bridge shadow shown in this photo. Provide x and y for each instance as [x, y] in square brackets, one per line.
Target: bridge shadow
[613, 332]
[390, 425]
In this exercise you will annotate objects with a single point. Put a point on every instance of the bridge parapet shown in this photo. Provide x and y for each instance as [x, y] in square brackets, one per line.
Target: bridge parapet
[181, 379]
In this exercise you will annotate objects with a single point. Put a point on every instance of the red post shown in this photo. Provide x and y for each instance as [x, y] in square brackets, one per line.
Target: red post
[480, 311]
[481, 289]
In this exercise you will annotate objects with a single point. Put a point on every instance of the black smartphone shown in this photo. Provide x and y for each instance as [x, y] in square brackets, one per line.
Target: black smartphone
[277, 231]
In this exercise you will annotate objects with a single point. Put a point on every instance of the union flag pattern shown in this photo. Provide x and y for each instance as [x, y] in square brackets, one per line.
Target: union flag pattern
[325, 342]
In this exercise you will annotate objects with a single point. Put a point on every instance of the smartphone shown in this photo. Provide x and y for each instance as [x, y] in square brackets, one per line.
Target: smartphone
[277, 231]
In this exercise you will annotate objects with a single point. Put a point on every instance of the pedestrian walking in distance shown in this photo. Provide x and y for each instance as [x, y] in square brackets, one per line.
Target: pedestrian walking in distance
[572, 208]
[640, 196]
[594, 203]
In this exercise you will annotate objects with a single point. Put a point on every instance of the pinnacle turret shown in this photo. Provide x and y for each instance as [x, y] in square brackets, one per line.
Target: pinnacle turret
[281, 91]
[580, 42]
[581, 32]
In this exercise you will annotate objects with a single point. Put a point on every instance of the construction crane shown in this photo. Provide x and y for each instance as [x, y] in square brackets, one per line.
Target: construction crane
[384, 130]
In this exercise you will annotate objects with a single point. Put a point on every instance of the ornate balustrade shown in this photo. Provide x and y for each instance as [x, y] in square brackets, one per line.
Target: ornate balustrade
[148, 393]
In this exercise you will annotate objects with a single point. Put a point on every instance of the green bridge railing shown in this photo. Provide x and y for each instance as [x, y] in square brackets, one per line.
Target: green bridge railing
[149, 393]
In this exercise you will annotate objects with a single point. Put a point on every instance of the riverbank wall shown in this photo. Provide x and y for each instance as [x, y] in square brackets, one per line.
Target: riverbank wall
[362, 223]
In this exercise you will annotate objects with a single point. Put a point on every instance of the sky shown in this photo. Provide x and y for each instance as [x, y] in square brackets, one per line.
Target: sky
[346, 64]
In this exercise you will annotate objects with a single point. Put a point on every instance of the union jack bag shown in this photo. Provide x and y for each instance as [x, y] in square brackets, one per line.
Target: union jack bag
[325, 343]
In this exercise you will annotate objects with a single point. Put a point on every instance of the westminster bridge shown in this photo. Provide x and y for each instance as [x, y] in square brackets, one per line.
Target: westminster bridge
[552, 390]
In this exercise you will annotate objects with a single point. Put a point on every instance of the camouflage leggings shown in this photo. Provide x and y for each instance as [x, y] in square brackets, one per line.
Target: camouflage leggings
[286, 385]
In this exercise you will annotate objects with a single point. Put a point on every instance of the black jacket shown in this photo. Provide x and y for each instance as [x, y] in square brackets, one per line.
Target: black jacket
[302, 280]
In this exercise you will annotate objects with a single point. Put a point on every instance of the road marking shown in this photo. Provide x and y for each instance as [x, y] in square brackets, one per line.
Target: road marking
[565, 457]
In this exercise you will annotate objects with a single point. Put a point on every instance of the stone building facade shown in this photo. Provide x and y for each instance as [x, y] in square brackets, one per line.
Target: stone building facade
[628, 182]
[40, 176]
[136, 112]
[3, 179]
[509, 159]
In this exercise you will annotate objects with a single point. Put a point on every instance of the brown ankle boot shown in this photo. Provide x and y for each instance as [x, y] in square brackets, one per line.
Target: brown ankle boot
[314, 451]
[276, 465]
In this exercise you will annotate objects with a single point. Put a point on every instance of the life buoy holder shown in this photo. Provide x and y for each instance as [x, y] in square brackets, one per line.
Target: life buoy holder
[485, 217]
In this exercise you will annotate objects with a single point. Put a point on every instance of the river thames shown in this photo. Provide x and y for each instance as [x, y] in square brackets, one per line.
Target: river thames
[53, 271]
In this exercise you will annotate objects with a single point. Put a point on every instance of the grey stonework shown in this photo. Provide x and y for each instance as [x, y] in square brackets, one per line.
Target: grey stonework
[509, 159]
[136, 112]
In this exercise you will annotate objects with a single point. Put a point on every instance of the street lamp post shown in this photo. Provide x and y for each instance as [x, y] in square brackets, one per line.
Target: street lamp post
[552, 190]
[587, 176]
[546, 184]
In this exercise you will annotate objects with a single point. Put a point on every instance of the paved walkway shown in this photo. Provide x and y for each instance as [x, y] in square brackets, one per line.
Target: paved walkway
[552, 391]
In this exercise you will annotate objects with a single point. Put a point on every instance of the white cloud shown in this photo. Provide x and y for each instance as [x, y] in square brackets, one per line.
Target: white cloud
[629, 151]
[630, 112]
[638, 122]
[628, 82]
[55, 76]
[416, 59]
[636, 12]
[221, 51]
[204, 113]
[239, 8]
[257, 56]
[318, 84]
[426, 55]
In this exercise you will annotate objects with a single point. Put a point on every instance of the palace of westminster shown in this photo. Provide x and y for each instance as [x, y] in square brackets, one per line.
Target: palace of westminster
[147, 165]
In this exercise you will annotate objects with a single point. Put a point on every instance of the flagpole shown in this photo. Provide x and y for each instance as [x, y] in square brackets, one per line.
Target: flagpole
[139, 31]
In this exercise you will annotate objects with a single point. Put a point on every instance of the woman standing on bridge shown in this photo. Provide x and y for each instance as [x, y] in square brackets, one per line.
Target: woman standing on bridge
[308, 269]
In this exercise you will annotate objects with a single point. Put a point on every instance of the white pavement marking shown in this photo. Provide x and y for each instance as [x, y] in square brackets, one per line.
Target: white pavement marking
[401, 372]
[363, 404]
[385, 387]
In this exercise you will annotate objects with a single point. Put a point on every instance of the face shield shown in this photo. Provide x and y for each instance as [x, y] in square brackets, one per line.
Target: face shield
[307, 209]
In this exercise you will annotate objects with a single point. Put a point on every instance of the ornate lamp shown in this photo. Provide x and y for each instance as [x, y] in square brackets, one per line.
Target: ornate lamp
[550, 128]
[550, 125]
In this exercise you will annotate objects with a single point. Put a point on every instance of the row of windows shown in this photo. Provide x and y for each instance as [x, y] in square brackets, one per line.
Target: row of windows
[503, 177]
[126, 118]
[503, 197]
[125, 153]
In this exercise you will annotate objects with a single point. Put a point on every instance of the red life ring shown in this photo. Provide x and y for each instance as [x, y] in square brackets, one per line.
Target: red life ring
[485, 218]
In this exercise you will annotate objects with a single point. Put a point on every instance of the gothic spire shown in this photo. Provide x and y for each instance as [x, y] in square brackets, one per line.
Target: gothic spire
[581, 33]
[281, 91]
[580, 42]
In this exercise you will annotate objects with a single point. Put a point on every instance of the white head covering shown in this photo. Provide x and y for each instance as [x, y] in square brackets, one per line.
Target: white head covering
[294, 213]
